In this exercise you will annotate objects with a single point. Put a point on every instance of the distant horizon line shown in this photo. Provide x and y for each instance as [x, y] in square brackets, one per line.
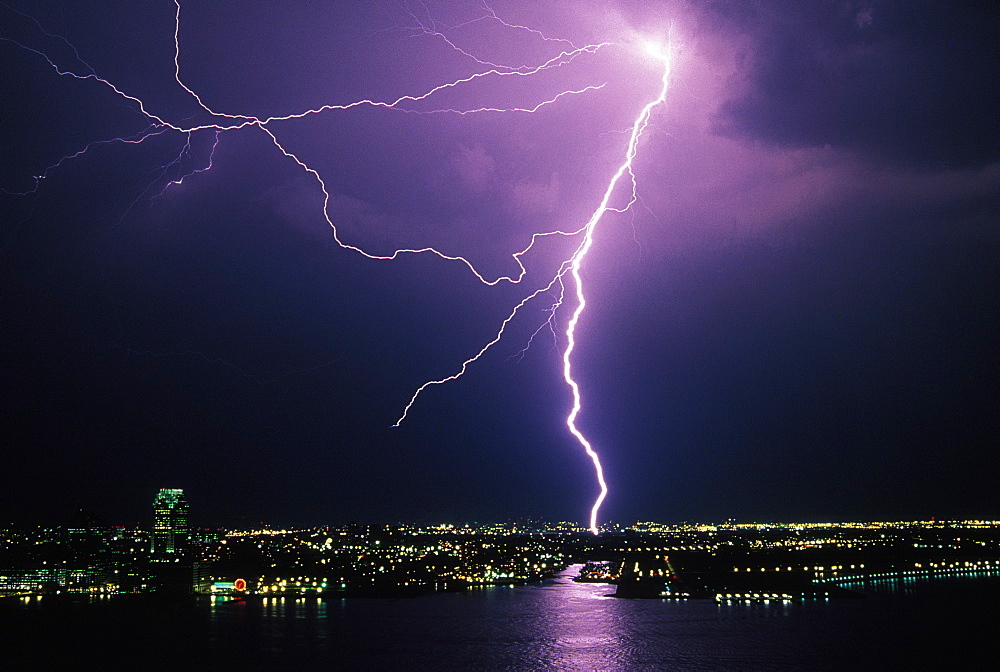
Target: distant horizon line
[609, 526]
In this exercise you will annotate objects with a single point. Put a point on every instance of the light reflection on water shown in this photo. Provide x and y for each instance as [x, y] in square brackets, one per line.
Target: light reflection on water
[580, 623]
[562, 625]
[554, 625]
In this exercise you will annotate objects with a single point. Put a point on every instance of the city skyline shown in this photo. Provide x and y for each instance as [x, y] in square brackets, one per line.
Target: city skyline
[796, 319]
[727, 562]
[845, 595]
[170, 527]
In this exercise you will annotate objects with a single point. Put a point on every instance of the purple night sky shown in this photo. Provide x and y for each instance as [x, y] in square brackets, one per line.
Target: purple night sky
[799, 318]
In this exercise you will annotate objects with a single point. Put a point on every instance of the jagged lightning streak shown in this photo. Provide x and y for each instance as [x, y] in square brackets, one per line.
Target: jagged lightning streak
[577, 260]
[572, 267]
[568, 271]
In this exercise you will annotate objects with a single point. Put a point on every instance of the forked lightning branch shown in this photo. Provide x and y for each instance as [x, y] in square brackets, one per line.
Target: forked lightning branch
[567, 282]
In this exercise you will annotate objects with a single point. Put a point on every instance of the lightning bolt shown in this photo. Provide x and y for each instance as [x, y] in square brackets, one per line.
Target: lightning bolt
[572, 267]
[569, 271]
[581, 302]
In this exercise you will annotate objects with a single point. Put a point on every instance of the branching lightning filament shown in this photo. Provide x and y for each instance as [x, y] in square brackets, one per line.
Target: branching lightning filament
[566, 282]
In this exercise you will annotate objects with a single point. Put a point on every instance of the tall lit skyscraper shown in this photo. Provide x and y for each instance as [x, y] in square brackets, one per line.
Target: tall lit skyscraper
[170, 522]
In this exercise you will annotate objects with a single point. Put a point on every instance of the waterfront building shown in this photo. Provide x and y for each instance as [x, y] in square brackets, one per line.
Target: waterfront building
[171, 532]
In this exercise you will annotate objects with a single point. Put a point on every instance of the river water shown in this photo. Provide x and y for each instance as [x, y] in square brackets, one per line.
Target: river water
[945, 623]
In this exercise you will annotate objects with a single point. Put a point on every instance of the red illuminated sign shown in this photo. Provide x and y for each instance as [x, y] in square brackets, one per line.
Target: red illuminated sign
[240, 584]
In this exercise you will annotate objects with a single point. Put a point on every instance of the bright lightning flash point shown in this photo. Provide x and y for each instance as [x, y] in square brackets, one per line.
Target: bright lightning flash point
[655, 49]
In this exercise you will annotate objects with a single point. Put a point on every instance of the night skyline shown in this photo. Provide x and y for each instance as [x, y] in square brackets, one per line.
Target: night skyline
[798, 319]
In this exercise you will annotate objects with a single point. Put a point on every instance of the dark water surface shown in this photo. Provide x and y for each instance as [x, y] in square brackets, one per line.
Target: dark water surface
[925, 624]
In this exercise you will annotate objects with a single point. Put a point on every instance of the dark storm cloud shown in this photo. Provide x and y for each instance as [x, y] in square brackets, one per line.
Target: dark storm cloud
[910, 82]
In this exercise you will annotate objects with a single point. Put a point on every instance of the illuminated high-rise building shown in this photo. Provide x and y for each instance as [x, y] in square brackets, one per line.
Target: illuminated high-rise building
[170, 522]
